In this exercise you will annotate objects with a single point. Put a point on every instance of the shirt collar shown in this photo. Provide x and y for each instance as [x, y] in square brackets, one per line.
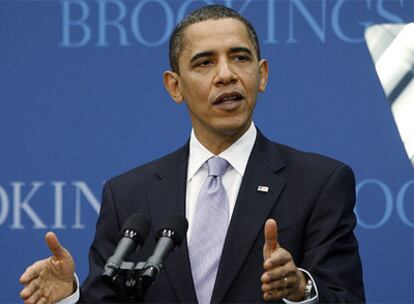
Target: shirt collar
[237, 154]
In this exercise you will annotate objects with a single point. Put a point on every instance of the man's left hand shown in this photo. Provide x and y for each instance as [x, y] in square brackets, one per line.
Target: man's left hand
[281, 279]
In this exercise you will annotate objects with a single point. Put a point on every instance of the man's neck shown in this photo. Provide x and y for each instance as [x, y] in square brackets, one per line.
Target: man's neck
[219, 142]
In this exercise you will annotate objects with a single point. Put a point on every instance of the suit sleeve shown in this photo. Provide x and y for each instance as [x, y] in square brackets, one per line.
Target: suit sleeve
[331, 252]
[93, 290]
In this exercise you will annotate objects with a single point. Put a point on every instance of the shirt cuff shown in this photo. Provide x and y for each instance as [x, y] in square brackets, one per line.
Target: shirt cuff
[73, 298]
[312, 300]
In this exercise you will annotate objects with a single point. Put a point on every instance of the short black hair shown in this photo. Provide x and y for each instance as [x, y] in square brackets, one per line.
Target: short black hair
[210, 12]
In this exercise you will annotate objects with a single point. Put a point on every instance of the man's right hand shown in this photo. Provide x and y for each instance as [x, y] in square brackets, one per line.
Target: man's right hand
[49, 280]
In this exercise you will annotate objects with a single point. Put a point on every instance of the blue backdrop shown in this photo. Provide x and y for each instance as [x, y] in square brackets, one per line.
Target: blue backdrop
[81, 100]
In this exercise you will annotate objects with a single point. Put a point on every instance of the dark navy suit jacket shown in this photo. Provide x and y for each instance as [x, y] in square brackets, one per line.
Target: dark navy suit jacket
[311, 197]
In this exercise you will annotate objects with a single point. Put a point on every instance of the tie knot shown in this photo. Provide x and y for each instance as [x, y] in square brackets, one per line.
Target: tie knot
[217, 166]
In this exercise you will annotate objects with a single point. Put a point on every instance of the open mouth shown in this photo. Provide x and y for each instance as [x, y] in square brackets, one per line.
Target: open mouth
[228, 98]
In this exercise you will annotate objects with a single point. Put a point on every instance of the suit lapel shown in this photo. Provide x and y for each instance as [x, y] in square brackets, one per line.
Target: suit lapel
[168, 197]
[251, 211]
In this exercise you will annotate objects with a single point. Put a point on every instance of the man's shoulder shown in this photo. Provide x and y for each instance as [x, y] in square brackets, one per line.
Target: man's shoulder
[314, 160]
[152, 171]
[309, 170]
[296, 160]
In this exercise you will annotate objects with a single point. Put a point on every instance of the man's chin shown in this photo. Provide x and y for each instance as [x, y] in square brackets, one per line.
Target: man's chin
[231, 130]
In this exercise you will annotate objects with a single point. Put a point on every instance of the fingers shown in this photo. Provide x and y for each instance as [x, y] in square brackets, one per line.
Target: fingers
[51, 279]
[280, 279]
[271, 238]
[279, 274]
[278, 258]
[284, 279]
[33, 292]
[37, 300]
[34, 270]
[55, 247]
[291, 287]
[42, 300]
[279, 285]
[276, 294]
[29, 290]
[31, 272]
[282, 283]
[34, 298]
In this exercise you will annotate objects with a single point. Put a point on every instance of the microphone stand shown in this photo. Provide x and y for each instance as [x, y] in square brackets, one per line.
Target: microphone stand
[131, 281]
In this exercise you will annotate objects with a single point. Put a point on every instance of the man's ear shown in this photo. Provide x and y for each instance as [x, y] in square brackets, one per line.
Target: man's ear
[172, 83]
[263, 74]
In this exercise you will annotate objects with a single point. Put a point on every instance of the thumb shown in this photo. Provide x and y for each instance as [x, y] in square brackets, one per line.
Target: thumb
[270, 235]
[55, 247]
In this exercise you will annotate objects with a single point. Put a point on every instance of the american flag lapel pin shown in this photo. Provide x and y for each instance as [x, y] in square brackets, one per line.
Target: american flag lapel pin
[263, 188]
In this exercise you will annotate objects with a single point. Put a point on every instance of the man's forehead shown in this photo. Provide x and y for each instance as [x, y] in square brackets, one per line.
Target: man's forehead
[210, 35]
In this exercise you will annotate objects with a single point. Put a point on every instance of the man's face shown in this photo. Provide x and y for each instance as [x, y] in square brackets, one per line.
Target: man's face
[220, 77]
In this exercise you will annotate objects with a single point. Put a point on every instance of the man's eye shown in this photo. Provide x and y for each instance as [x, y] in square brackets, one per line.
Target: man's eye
[204, 63]
[241, 58]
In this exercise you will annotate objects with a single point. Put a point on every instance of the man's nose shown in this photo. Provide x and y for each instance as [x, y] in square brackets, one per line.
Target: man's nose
[225, 73]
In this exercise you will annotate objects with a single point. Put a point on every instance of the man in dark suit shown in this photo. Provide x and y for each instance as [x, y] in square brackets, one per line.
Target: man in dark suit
[310, 254]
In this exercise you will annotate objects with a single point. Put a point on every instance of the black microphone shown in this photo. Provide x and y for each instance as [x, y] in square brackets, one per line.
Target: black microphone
[170, 236]
[133, 235]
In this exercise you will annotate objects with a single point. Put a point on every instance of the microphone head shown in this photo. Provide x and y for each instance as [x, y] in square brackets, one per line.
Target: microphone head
[136, 227]
[175, 223]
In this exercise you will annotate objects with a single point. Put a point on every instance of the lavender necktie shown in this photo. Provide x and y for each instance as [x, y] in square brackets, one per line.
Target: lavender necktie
[209, 230]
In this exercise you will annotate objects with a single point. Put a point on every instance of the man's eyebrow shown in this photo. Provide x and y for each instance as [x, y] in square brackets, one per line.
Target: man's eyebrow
[238, 49]
[241, 49]
[201, 55]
